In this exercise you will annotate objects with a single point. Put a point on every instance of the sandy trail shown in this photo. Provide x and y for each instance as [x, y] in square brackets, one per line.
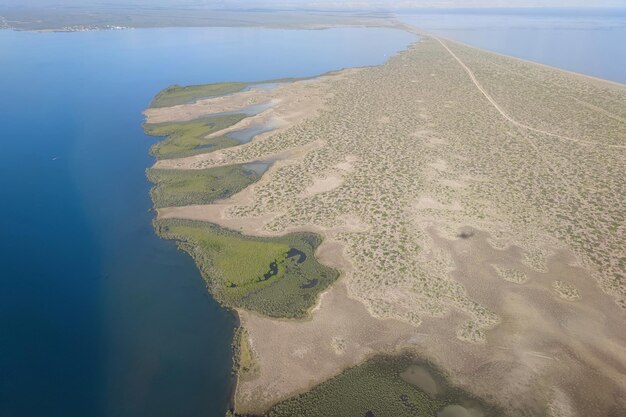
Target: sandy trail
[509, 118]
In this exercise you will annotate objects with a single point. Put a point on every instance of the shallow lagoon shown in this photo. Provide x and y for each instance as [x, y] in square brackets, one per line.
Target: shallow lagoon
[99, 317]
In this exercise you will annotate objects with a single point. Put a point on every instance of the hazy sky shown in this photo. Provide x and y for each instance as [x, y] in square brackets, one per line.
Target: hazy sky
[331, 4]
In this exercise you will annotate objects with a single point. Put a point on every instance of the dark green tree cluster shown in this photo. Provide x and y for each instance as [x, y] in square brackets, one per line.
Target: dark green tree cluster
[376, 389]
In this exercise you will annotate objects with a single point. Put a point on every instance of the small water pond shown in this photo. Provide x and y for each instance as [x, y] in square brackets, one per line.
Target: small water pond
[257, 167]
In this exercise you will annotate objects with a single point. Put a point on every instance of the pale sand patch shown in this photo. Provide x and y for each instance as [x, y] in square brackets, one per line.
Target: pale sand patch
[429, 137]
[511, 274]
[421, 133]
[453, 183]
[222, 104]
[560, 405]
[566, 290]
[296, 355]
[439, 165]
[345, 166]
[267, 119]
[322, 185]
[576, 347]
[428, 203]
[537, 347]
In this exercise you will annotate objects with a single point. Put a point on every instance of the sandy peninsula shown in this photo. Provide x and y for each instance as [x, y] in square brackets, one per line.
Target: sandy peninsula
[474, 206]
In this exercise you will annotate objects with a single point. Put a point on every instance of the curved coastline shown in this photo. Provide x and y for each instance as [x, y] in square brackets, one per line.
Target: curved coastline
[211, 91]
[440, 234]
[451, 395]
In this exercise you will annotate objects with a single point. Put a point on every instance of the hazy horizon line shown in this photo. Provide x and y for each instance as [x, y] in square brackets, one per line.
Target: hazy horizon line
[289, 6]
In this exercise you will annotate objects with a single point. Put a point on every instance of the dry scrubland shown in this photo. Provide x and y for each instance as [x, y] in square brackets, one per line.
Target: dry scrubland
[475, 206]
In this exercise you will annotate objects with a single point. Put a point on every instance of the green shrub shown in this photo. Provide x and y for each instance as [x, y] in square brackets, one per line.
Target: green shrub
[376, 389]
[175, 187]
[176, 94]
[190, 138]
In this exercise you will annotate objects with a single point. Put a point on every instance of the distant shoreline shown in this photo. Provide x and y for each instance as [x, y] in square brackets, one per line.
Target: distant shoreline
[117, 17]
[113, 18]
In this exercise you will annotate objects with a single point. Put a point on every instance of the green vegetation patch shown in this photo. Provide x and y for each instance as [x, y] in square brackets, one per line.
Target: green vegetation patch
[278, 277]
[189, 138]
[377, 389]
[176, 187]
[177, 94]
[244, 361]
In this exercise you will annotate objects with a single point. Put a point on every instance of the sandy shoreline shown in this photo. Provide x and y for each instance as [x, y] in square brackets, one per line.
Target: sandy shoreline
[485, 257]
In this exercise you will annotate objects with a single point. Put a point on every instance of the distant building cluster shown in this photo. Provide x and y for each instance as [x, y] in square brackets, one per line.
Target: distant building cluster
[88, 28]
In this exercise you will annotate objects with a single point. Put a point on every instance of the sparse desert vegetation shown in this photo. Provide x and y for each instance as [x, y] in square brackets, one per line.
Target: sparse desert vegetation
[510, 274]
[566, 290]
[462, 194]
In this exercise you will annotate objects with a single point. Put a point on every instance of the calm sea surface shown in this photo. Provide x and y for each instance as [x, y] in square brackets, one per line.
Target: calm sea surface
[98, 316]
[592, 42]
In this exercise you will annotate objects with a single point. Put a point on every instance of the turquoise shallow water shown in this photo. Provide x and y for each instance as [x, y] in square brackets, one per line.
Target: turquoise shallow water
[99, 317]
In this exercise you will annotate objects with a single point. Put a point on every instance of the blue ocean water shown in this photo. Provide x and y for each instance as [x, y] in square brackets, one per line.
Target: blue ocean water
[98, 316]
[588, 41]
